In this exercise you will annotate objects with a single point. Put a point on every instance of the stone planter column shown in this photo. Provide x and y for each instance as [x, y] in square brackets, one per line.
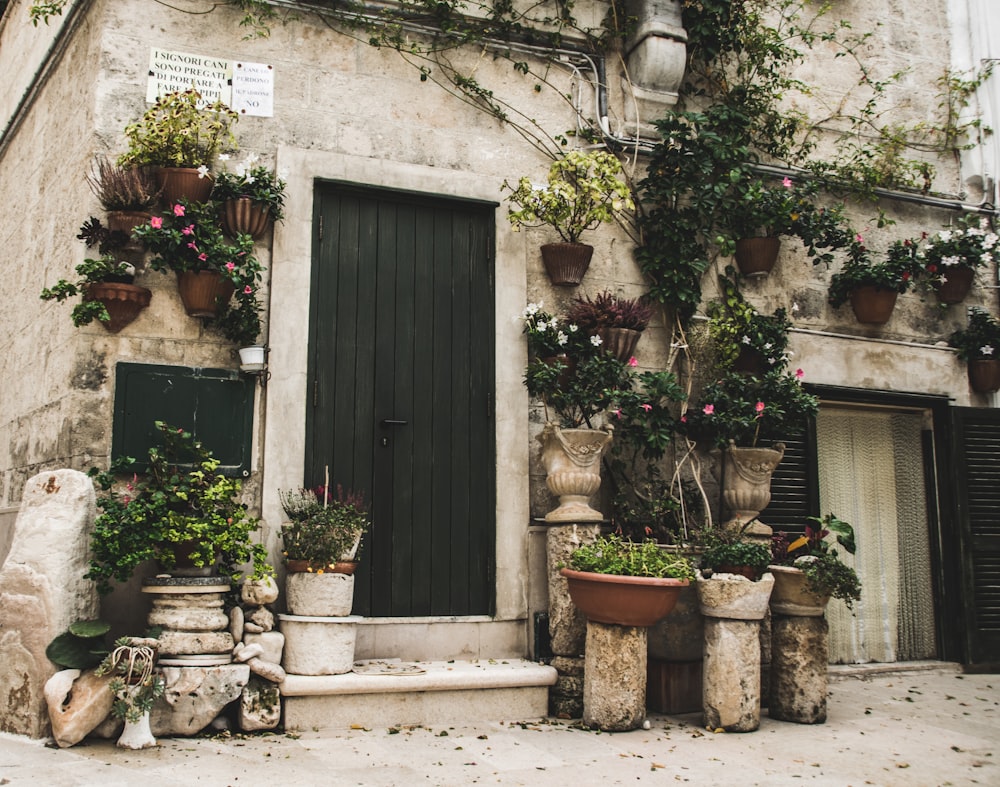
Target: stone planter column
[195, 627]
[800, 650]
[733, 608]
[614, 686]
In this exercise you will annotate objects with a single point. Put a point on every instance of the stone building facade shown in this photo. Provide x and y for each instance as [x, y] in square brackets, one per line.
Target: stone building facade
[356, 122]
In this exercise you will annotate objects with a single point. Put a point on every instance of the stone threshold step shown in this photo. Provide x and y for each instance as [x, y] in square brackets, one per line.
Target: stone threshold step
[378, 676]
[418, 693]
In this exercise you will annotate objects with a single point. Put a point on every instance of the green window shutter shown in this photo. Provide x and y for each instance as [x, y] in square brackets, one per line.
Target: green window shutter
[215, 404]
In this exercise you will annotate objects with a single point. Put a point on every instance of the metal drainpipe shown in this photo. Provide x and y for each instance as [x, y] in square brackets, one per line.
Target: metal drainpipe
[57, 48]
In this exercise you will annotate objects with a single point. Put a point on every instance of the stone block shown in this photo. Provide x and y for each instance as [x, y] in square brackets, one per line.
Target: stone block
[193, 696]
[260, 705]
[272, 644]
[799, 655]
[614, 679]
[567, 625]
[319, 646]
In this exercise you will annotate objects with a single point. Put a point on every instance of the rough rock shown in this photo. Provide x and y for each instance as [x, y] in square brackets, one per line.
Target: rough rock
[263, 617]
[246, 652]
[566, 695]
[799, 654]
[193, 643]
[236, 620]
[614, 680]
[194, 696]
[272, 642]
[567, 625]
[260, 705]
[42, 591]
[259, 592]
[272, 672]
[253, 628]
[77, 704]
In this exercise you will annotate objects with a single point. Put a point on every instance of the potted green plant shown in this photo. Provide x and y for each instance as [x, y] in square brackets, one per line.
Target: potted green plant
[950, 258]
[321, 540]
[181, 512]
[761, 213]
[127, 193]
[188, 240]
[584, 189]
[105, 285]
[873, 287]
[618, 320]
[252, 198]
[744, 339]
[808, 570]
[978, 344]
[181, 135]
[136, 687]
[726, 552]
[613, 580]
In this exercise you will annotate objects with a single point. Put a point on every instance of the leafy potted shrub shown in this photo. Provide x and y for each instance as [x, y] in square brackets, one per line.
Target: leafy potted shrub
[808, 571]
[761, 213]
[321, 539]
[950, 258]
[727, 553]
[584, 190]
[128, 194]
[252, 198]
[978, 344]
[181, 135]
[743, 338]
[188, 240]
[872, 287]
[136, 687]
[613, 580]
[181, 512]
[619, 321]
[105, 285]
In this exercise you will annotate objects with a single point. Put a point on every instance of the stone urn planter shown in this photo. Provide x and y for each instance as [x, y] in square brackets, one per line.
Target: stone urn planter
[746, 480]
[733, 607]
[790, 595]
[326, 594]
[623, 601]
[572, 461]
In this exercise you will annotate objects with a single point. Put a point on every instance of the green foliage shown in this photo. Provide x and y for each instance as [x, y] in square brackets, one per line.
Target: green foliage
[584, 190]
[177, 131]
[980, 339]
[323, 532]
[735, 325]
[182, 500]
[613, 555]
[723, 554]
[82, 647]
[256, 182]
[825, 573]
[895, 272]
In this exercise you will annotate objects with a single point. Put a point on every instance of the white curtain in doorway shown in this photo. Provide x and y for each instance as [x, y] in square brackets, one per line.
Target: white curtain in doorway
[871, 474]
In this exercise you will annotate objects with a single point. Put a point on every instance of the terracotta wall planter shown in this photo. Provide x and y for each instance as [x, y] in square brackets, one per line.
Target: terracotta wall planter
[244, 215]
[124, 302]
[203, 293]
[620, 342]
[873, 305]
[566, 263]
[984, 375]
[956, 285]
[757, 256]
[183, 183]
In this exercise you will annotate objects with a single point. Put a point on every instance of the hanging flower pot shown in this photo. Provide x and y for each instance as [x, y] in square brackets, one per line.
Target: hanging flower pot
[126, 220]
[572, 460]
[178, 183]
[984, 375]
[247, 216]
[566, 263]
[620, 342]
[746, 480]
[873, 305]
[124, 302]
[956, 285]
[203, 293]
[750, 361]
[757, 256]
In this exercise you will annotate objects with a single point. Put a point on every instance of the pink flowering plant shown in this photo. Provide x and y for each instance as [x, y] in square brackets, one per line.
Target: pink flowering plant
[746, 409]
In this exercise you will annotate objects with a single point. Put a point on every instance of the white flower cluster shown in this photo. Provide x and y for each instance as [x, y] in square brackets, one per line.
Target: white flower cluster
[972, 246]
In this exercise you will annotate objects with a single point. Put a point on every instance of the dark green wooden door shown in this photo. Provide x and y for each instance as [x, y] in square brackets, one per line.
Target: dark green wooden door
[401, 381]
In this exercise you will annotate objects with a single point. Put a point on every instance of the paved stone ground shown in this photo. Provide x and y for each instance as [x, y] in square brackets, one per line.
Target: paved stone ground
[932, 727]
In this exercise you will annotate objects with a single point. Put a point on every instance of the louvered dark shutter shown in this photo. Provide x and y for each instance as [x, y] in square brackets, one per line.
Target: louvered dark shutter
[794, 490]
[977, 487]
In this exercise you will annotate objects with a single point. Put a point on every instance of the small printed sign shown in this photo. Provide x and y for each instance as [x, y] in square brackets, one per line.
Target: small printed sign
[247, 88]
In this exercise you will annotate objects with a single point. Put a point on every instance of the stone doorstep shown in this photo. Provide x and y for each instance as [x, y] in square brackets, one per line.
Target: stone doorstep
[445, 692]
[846, 671]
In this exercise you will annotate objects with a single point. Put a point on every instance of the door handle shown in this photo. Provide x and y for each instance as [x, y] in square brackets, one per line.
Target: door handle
[393, 422]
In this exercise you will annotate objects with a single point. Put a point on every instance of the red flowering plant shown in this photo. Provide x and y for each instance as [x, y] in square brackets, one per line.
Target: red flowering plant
[188, 237]
[895, 272]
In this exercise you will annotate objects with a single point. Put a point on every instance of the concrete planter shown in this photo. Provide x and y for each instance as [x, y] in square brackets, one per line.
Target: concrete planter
[318, 645]
[790, 596]
[319, 595]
